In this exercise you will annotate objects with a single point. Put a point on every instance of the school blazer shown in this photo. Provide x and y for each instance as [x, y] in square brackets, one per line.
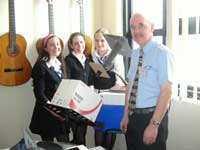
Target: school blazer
[76, 71]
[45, 84]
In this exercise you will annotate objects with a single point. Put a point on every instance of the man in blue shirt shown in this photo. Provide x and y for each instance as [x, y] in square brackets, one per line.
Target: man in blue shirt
[146, 125]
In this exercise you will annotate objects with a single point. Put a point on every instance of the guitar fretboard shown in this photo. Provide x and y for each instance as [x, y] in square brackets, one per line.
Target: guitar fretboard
[51, 18]
[12, 30]
[82, 21]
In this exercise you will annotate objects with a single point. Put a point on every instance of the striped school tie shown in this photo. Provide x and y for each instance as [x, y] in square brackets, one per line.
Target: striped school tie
[132, 100]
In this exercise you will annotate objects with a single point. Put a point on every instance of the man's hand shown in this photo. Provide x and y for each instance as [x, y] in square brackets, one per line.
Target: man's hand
[150, 134]
[124, 123]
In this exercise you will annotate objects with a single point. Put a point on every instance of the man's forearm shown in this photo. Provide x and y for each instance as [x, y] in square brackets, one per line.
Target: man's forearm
[163, 102]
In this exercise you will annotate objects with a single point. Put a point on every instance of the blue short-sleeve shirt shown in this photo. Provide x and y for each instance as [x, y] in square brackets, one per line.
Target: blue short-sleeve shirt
[157, 68]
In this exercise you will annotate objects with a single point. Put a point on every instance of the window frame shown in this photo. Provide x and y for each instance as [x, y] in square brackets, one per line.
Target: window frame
[127, 12]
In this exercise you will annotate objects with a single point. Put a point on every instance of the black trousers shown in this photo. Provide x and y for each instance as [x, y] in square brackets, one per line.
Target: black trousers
[79, 131]
[135, 131]
[62, 137]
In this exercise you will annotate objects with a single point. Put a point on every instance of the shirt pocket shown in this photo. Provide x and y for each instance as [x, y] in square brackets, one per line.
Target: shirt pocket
[149, 75]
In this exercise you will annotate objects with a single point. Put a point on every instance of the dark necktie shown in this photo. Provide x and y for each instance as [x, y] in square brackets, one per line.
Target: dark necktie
[132, 100]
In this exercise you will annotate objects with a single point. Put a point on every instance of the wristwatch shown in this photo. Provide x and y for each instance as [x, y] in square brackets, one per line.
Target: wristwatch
[155, 122]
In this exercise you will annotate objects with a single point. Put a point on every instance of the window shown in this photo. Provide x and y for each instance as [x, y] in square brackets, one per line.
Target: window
[185, 43]
[199, 25]
[180, 26]
[192, 25]
[158, 16]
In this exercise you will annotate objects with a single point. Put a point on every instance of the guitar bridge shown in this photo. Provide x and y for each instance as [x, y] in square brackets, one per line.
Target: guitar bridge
[13, 69]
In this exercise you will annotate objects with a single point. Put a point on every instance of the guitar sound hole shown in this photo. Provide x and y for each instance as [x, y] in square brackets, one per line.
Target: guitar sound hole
[13, 69]
[13, 51]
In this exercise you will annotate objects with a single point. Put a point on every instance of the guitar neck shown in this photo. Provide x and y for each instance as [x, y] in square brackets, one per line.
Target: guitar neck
[88, 41]
[12, 30]
[51, 18]
[82, 21]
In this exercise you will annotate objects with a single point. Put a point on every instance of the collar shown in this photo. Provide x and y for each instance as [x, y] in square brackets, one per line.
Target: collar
[105, 55]
[80, 57]
[56, 64]
[148, 46]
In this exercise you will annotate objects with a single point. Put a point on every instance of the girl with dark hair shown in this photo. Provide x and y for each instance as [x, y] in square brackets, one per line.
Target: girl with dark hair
[78, 68]
[47, 74]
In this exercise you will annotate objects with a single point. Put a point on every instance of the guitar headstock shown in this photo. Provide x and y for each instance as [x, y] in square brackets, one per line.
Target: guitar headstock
[80, 3]
[49, 1]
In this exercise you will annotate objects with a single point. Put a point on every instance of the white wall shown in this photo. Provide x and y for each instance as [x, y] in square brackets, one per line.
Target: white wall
[16, 102]
[111, 15]
[184, 126]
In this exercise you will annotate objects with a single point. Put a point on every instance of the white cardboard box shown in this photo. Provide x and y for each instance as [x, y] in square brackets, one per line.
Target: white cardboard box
[76, 95]
[113, 98]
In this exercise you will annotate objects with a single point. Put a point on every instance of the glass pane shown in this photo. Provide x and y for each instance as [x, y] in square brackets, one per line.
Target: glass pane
[199, 25]
[159, 39]
[180, 26]
[147, 7]
[192, 25]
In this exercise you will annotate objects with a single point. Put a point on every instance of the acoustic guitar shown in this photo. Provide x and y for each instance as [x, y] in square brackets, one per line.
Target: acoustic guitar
[88, 40]
[15, 68]
[51, 27]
